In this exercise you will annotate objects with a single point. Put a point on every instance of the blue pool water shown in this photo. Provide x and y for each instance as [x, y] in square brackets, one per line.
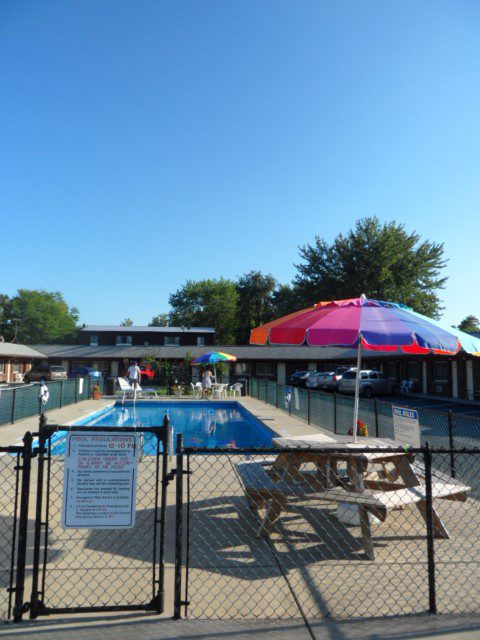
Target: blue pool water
[203, 424]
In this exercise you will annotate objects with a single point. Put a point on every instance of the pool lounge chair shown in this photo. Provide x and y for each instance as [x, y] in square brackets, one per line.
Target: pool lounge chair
[127, 388]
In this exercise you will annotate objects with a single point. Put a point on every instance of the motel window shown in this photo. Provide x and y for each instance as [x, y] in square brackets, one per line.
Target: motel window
[440, 372]
[15, 367]
[200, 341]
[124, 341]
[243, 369]
[414, 370]
[171, 341]
[101, 365]
[392, 370]
[2, 366]
[264, 369]
[94, 341]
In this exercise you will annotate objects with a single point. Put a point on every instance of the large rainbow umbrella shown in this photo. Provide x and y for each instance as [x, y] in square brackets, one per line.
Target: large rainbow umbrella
[365, 324]
[212, 357]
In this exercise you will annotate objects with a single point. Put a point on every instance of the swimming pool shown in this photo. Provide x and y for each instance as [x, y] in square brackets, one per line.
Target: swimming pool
[203, 424]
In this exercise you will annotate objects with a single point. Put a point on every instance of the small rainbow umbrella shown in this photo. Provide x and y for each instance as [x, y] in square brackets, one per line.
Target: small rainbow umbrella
[212, 357]
[365, 324]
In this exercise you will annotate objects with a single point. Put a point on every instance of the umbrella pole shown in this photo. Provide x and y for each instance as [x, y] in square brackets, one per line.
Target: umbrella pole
[357, 387]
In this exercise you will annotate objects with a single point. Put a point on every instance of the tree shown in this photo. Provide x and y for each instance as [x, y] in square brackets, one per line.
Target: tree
[207, 303]
[128, 322]
[159, 321]
[285, 300]
[41, 316]
[379, 259]
[469, 324]
[255, 302]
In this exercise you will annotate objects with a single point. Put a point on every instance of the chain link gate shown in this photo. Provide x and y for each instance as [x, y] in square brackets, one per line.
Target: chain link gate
[15, 465]
[89, 570]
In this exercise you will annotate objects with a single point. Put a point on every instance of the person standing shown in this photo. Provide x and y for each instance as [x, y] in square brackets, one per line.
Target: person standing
[134, 375]
[207, 383]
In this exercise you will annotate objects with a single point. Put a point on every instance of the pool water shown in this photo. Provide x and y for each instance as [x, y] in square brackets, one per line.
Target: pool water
[203, 424]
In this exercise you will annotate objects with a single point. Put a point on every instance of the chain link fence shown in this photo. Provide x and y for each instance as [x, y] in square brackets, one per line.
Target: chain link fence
[23, 401]
[334, 412]
[317, 534]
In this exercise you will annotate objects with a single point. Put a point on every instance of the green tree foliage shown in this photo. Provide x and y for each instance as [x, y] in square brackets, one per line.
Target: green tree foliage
[128, 322]
[207, 303]
[255, 302]
[469, 324]
[41, 316]
[161, 320]
[379, 259]
[285, 300]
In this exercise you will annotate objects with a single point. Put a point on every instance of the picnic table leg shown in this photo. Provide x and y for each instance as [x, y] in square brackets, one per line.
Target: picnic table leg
[355, 469]
[273, 512]
[411, 479]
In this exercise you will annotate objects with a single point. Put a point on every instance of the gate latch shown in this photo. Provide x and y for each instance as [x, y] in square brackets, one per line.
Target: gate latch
[170, 476]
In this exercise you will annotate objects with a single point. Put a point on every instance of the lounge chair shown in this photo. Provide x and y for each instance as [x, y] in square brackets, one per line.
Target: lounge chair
[127, 388]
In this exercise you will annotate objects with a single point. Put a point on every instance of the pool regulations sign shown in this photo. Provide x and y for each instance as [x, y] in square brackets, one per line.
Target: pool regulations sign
[405, 426]
[100, 479]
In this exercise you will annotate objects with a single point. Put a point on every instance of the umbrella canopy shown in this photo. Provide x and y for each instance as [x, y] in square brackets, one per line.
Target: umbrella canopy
[213, 357]
[372, 324]
[366, 324]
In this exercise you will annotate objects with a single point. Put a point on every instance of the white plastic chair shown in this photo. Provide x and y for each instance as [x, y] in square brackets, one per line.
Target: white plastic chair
[236, 389]
[196, 389]
[220, 391]
[150, 391]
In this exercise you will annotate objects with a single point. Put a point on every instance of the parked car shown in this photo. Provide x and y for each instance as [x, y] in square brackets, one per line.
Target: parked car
[372, 383]
[45, 372]
[327, 380]
[84, 372]
[299, 378]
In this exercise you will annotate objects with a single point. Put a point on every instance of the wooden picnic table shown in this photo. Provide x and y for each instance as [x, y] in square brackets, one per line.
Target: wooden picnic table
[395, 485]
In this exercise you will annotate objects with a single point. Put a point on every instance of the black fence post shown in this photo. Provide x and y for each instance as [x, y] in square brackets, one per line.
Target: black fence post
[34, 602]
[14, 395]
[266, 391]
[75, 380]
[258, 389]
[165, 437]
[334, 412]
[177, 590]
[377, 433]
[61, 394]
[19, 608]
[309, 399]
[451, 444]
[432, 598]
[276, 395]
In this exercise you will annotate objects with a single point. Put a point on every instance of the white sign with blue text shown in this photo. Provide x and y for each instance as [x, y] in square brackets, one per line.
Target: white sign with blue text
[405, 426]
[100, 478]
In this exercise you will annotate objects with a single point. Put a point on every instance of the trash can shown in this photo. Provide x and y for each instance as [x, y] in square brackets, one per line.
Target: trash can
[110, 386]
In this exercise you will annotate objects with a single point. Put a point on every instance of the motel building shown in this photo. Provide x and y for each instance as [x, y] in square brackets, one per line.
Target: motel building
[110, 349]
[16, 360]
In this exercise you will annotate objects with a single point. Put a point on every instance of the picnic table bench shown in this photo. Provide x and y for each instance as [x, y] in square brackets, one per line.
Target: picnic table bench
[270, 483]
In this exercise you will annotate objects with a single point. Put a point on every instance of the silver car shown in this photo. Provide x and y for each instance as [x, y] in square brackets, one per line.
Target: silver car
[327, 380]
[372, 383]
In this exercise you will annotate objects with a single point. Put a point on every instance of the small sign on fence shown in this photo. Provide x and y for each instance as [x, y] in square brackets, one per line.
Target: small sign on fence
[99, 483]
[405, 426]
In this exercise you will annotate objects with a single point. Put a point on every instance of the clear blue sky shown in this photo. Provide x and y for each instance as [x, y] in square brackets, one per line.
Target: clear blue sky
[144, 143]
